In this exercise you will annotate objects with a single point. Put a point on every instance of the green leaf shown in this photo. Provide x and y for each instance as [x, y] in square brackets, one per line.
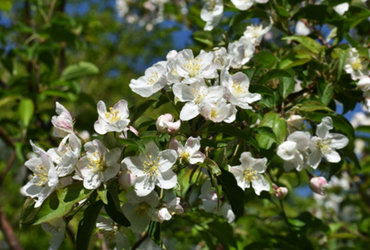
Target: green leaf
[311, 106]
[6, 5]
[113, 208]
[8, 99]
[325, 92]
[87, 225]
[272, 74]
[286, 86]
[306, 41]
[266, 137]
[102, 192]
[233, 192]
[80, 69]
[223, 232]
[266, 58]
[138, 109]
[154, 232]
[342, 56]
[26, 110]
[277, 124]
[204, 37]
[58, 204]
[211, 166]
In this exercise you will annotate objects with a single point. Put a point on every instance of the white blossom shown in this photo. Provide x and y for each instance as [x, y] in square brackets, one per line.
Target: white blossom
[325, 143]
[190, 152]
[240, 52]
[255, 33]
[243, 4]
[250, 172]
[341, 8]
[301, 29]
[172, 207]
[356, 65]
[219, 111]
[140, 210]
[154, 79]
[45, 178]
[63, 122]
[57, 228]
[114, 120]
[115, 239]
[211, 13]
[317, 185]
[165, 124]
[364, 83]
[152, 168]
[98, 165]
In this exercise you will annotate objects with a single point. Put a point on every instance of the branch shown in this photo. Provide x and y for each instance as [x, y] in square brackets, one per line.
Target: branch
[7, 167]
[8, 232]
[319, 36]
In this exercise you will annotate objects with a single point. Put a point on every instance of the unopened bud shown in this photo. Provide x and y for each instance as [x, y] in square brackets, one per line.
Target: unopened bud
[280, 192]
[165, 124]
[317, 185]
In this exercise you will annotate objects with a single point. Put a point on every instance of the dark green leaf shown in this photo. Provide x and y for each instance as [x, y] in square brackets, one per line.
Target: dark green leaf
[113, 208]
[87, 225]
[325, 92]
[306, 41]
[154, 232]
[233, 192]
[80, 69]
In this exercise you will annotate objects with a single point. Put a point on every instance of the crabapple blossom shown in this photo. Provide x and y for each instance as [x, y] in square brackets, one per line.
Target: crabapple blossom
[140, 210]
[301, 29]
[218, 111]
[153, 80]
[63, 122]
[211, 13]
[113, 236]
[98, 165]
[165, 124]
[317, 185]
[356, 65]
[250, 172]
[237, 89]
[190, 152]
[192, 69]
[294, 151]
[152, 168]
[341, 8]
[45, 178]
[364, 83]
[114, 120]
[255, 33]
[243, 4]
[280, 192]
[240, 52]
[57, 228]
[66, 155]
[325, 143]
[172, 207]
[126, 179]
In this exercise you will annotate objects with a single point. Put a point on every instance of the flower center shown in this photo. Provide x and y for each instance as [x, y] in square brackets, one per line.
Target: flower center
[142, 209]
[199, 92]
[212, 5]
[193, 66]
[153, 79]
[239, 88]
[112, 115]
[41, 174]
[214, 113]
[357, 65]
[150, 166]
[96, 163]
[184, 156]
[324, 147]
[250, 175]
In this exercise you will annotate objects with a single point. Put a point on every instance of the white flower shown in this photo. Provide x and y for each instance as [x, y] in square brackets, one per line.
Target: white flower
[240, 52]
[221, 59]
[250, 171]
[243, 4]
[356, 65]
[126, 179]
[190, 152]
[212, 205]
[57, 228]
[192, 69]
[45, 178]
[317, 185]
[237, 89]
[66, 155]
[63, 123]
[99, 164]
[211, 13]
[165, 124]
[152, 168]
[122, 7]
[195, 95]
[301, 29]
[172, 207]
[218, 111]
[294, 122]
[341, 8]
[114, 120]
[294, 151]
[364, 83]
[154, 80]
[141, 210]
[113, 236]
[254, 33]
[325, 143]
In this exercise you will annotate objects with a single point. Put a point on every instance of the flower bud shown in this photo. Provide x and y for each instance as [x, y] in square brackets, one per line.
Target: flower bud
[280, 192]
[165, 124]
[126, 179]
[317, 185]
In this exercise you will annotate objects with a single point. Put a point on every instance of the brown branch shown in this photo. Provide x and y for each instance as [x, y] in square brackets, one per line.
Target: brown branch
[8, 232]
[319, 36]
[140, 241]
[6, 137]
[7, 167]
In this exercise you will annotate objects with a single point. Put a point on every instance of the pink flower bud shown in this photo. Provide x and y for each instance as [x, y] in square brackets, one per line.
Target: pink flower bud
[280, 192]
[63, 122]
[126, 179]
[165, 124]
[317, 185]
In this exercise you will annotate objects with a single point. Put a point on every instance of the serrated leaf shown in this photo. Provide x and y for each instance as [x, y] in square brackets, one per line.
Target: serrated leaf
[87, 225]
[26, 110]
[311, 106]
[80, 69]
[306, 41]
[58, 204]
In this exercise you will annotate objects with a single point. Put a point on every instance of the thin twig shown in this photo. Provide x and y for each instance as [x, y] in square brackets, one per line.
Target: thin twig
[140, 241]
[7, 167]
[6, 137]
[319, 36]
[8, 232]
